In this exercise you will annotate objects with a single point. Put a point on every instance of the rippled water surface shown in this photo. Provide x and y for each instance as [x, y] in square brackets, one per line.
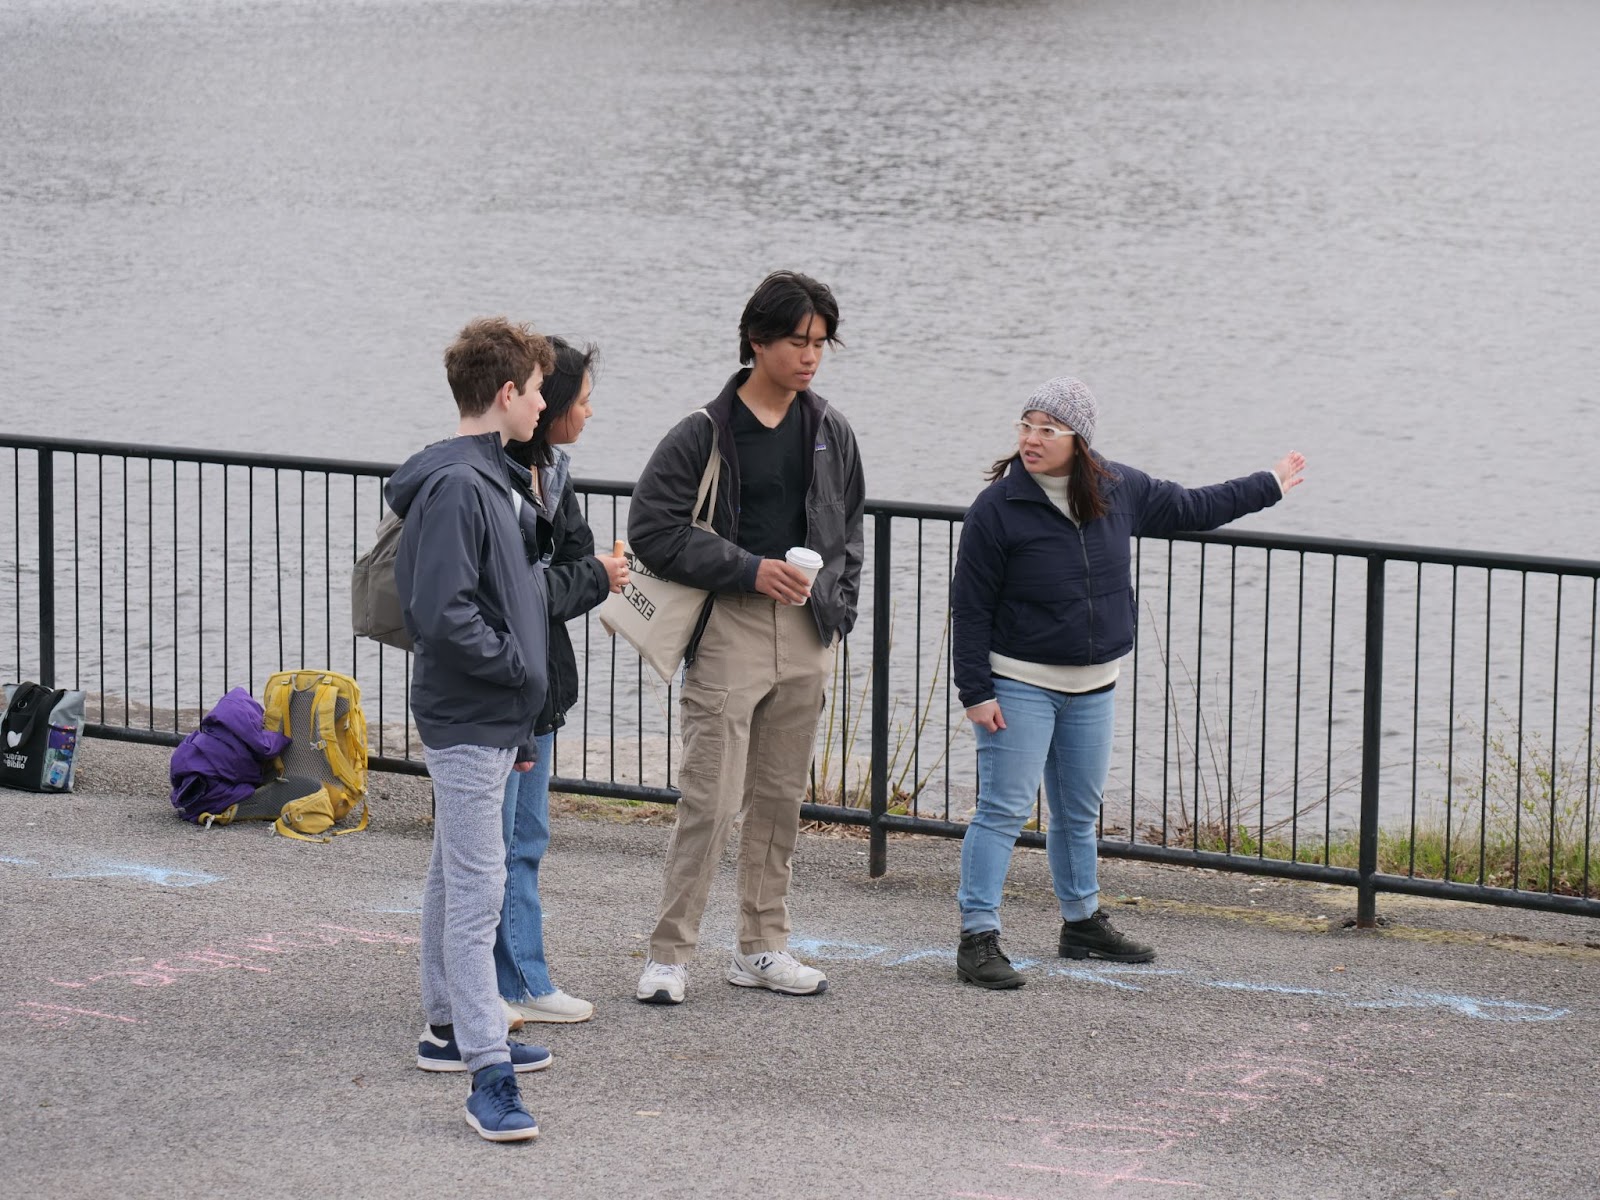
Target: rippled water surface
[1366, 230]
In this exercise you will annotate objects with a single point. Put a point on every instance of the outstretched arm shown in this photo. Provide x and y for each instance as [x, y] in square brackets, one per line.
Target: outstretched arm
[1167, 507]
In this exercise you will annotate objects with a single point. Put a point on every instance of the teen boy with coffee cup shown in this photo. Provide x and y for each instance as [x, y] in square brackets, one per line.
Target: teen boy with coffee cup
[758, 665]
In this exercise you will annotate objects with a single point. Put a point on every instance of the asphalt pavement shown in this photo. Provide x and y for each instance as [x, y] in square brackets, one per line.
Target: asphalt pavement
[221, 1012]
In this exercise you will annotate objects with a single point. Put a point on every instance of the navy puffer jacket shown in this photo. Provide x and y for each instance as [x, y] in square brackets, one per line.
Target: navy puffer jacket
[1031, 585]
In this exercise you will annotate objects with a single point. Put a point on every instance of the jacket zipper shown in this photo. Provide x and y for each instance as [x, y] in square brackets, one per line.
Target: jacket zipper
[1083, 545]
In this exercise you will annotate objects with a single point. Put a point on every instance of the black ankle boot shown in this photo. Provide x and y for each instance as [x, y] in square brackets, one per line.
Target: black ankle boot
[1096, 937]
[979, 961]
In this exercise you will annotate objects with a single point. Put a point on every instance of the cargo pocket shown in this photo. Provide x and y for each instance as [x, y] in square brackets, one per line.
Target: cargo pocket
[701, 709]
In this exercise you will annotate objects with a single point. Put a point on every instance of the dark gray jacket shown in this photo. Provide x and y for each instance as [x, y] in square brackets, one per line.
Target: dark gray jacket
[660, 524]
[469, 598]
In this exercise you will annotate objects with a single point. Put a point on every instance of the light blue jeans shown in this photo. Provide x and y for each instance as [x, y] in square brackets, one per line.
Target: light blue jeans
[519, 964]
[1067, 739]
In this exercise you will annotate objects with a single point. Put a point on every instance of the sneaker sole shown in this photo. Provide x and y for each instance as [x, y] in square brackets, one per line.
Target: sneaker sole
[504, 1135]
[998, 985]
[455, 1066]
[658, 997]
[555, 1019]
[750, 981]
[1079, 953]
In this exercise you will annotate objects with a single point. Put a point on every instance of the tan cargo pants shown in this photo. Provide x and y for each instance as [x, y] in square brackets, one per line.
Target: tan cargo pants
[749, 707]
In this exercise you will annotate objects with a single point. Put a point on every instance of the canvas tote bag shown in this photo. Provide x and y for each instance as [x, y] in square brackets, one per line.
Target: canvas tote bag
[40, 728]
[656, 616]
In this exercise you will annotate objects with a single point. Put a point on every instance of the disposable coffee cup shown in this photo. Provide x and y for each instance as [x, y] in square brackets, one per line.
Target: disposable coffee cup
[807, 560]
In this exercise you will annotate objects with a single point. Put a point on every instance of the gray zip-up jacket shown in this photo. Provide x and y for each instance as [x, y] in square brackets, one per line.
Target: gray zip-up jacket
[472, 592]
[660, 524]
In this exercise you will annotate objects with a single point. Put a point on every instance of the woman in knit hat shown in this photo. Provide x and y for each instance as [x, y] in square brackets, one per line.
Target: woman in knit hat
[1043, 611]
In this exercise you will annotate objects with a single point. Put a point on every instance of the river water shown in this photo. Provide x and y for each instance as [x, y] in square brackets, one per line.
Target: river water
[1361, 229]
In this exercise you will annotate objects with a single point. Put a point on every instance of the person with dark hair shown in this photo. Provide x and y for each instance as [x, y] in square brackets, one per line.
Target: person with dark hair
[1043, 610]
[577, 579]
[756, 667]
[476, 614]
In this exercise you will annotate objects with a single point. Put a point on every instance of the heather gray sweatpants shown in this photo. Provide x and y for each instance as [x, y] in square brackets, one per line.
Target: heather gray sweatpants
[461, 902]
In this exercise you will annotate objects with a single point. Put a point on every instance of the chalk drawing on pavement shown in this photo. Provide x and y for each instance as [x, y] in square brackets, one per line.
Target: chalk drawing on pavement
[249, 953]
[160, 876]
[142, 872]
[1135, 978]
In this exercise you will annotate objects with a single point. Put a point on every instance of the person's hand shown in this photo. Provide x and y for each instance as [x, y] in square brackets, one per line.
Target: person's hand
[616, 567]
[522, 768]
[986, 716]
[1288, 470]
[784, 583]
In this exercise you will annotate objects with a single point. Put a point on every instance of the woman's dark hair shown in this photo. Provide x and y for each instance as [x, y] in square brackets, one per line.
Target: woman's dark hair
[563, 383]
[1084, 482]
[784, 299]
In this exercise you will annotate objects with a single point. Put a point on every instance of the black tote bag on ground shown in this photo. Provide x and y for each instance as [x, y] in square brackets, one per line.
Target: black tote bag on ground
[39, 736]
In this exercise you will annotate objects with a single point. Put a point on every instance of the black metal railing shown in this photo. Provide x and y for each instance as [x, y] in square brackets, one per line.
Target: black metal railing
[1386, 717]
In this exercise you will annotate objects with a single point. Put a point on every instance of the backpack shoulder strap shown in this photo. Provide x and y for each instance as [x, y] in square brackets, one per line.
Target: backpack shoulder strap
[325, 708]
[275, 702]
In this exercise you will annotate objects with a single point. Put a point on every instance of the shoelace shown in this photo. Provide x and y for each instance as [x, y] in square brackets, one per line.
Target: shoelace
[504, 1096]
[989, 948]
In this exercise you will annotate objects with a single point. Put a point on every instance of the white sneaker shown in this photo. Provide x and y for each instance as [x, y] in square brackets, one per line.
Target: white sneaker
[557, 1007]
[514, 1019]
[777, 971]
[661, 983]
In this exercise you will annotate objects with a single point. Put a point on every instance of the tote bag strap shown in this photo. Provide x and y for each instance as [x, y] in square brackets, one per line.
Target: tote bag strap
[705, 500]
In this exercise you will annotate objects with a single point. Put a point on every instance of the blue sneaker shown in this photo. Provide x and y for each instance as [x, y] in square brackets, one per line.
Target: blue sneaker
[435, 1053]
[495, 1109]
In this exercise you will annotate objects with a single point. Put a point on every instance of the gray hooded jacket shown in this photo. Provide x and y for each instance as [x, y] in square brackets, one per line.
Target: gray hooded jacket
[472, 592]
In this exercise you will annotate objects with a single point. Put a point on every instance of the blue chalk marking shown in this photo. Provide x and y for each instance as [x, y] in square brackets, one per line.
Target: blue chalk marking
[1279, 989]
[1466, 1006]
[834, 951]
[918, 955]
[19, 862]
[161, 876]
[1471, 1006]
[399, 911]
[1086, 975]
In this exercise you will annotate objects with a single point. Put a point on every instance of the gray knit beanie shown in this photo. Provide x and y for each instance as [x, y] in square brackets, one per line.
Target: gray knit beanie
[1068, 401]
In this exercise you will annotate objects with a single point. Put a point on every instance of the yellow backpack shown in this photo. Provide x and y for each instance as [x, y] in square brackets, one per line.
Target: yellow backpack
[320, 712]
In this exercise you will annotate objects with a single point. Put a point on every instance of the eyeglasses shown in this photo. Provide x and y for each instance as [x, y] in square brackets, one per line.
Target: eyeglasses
[1047, 433]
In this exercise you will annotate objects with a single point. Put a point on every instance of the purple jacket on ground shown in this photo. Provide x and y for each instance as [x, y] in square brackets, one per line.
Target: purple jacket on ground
[220, 764]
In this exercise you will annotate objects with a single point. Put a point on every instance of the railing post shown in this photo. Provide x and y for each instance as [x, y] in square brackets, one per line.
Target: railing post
[1371, 745]
[878, 845]
[47, 568]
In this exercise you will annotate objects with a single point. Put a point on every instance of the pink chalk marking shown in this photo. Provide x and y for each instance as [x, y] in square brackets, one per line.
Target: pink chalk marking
[281, 941]
[1123, 1176]
[986, 1196]
[1220, 1115]
[1153, 1141]
[1248, 1078]
[209, 959]
[1253, 1099]
[88, 1012]
[375, 937]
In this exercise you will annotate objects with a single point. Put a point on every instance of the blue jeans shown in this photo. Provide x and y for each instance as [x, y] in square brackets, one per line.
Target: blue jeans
[519, 964]
[1067, 739]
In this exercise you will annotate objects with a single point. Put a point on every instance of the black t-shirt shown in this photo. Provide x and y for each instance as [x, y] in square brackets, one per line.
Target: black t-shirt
[772, 481]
